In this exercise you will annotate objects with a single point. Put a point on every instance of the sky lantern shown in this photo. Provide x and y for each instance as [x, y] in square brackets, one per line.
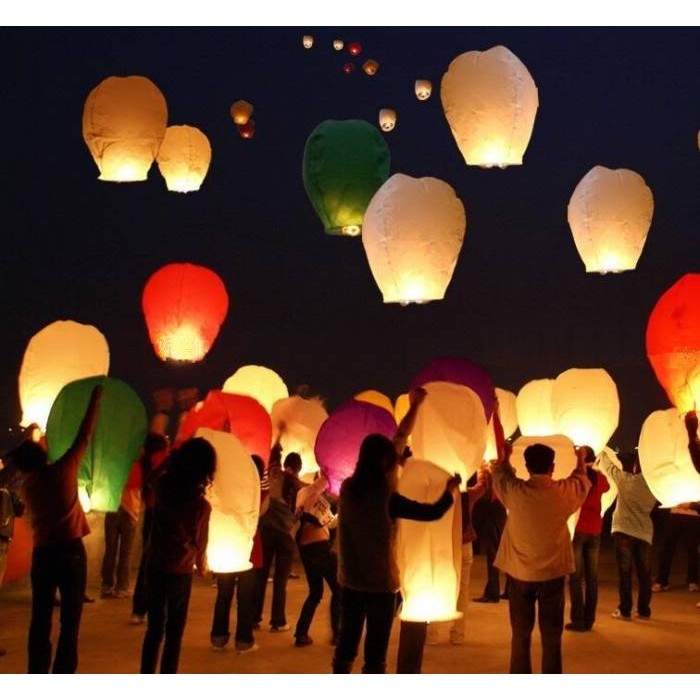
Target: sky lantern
[247, 130]
[345, 163]
[534, 407]
[673, 342]
[450, 429]
[665, 460]
[307, 41]
[387, 119]
[509, 420]
[377, 398]
[370, 67]
[490, 102]
[429, 554]
[235, 501]
[413, 233]
[261, 383]
[610, 214]
[241, 112]
[338, 44]
[348, 68]
[184, 157]
[124, 121]
[339, 439]
[401, 406]
[564, 454]
[355, 49]
[58, 354]
[115, 444]
[184, 306]
[423, 89]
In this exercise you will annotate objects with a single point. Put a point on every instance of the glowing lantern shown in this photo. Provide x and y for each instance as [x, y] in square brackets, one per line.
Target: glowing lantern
[490, 102]
[307, 41]
[424, 89]
[124, 122]
[19, 553]
[376, 398]
[355, 49]
[429, 554]
[184, 158]
[184, 306]
[450, 429]
[115, 444]
[387, 119]
[247, 130]
[370, 67]
[401, 407]
[564, 454]
[338, 44]
[665, 460]
[348, 68]
[58, 354]
[534, 408]
[610, 214]
[673, 342]
[345, 163]
[339, 439]
[413, 233]
[260, 383]
[241, 112]
[509, 421]
[235, 501]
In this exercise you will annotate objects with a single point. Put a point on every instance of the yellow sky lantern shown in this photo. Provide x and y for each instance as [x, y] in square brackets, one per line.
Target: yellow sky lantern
[387, 119]
[534, 408]
[490, 102]
[307, 41]
[423, 89]
[338, 44]
[184, 157]
[241, 112]
[370, 67]
[261, 383]
[610, 214]
[509, 420]
[377, 398]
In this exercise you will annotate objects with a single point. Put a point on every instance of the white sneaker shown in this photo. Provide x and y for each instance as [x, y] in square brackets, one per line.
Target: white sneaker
[619, 616]
[692, 587]
[137, 619]
[660, 588]
[246, 649]
[279, 628]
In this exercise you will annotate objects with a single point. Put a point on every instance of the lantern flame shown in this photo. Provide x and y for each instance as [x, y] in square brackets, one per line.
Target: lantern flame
[183, 343]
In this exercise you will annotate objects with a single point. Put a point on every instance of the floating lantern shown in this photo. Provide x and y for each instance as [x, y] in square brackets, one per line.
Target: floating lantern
[429, 554]
[184, 306]
[58, 354]
[339, 439]
[508, 416]
[376, 398]
[124, 121]
[348, 68]
[338, 44]
[184, 157]
[247, 130]
[564, 454]
[241, 112]
[673, 342]
[370, 67]
[490, 102]
[261, 383]
[235, 502]
[610, 214]
[534, 408]
[387, 119]
[355, 49]
[307, 41]
[345, 163]
[413, 233]
[423, 89]
[116, 441]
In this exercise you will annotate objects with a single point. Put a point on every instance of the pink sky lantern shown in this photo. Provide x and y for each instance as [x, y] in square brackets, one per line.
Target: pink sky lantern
[339, 439]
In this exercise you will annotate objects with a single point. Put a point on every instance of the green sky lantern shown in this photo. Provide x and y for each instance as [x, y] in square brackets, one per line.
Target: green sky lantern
[345, 163]
[116, 442]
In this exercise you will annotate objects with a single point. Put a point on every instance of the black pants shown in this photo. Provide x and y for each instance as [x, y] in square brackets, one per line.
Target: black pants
[120, 529]
[583, 606]
[139, 603]
[63, 567]
[628, 551]
[548, 597]
[684, 529]
[279, 546]
[320, 564]
[246, 582]
[490, 520]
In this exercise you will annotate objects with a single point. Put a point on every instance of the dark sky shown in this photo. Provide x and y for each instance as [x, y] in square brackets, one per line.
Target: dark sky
[303, 302]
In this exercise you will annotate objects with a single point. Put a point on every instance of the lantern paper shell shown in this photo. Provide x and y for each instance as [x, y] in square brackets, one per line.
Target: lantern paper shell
[387, 119]
[413, 233]
[241, 112]
[184, 157]
[665, 460]
[564, 457]
[307, 41]
[509, 421]
[534, 408]
[115, 444]
[401, 407]
[338, 44]
[490, 102]
[423, 89]
[339, 439]
[58, 354]
[355, 49]
[261, 383]
[610, 214]
[673, 342]
[235, 501]
[428, 553]
[247, 130]
[370, 67]
[377, 398]
[184, 306]
[345, 163]
[124, 121]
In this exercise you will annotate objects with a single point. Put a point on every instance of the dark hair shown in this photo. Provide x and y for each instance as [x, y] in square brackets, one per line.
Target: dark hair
[589, 457]
[293, 462]
[377, 458]
[189, 469]
[539, 458]
[28, 456]
[630, 461]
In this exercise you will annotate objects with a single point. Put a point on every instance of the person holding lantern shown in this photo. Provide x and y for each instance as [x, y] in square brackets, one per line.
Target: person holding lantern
[691, 425]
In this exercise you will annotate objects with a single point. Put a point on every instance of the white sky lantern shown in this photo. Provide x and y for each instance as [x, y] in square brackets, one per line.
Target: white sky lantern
[338, 44]
[307, 41]
[428, 553]
[610, 214]
[261, 383]
[412, 233]
[184, 157]
[57, 355]
[450, 429]
[509, 420]
[423, 89]
[387, 119]
[665, 461]
[235, 500]
[124, 121]
[564, 458]
[534, 408]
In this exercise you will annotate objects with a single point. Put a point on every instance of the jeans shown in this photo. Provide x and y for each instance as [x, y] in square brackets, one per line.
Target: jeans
[356, 607]
[586, 550]
[320, 564]
[225, 589]
[139, 602]
[549, 597]
[120, 529]
[490, 523]
[627, 550]
[60, 566]
[679, 528]
[279, 546]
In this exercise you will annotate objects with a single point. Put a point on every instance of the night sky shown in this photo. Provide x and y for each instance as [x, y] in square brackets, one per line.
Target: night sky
[304, 302]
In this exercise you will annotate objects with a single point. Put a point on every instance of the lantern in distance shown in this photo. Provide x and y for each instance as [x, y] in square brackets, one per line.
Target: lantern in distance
[509, 421]
[413, 233]
[370, 67]
[184, 306]
[610, 214]
[387, 119]
[673, 342]
[423, 89]
[307, 41]
[348, 68]
[338, 44]
[184, 157]
[377, 398]
[58, 354]
[534, 407]
[247, 130]
[490, 102]
[241, 112]
[261, 383]
[124, 121]
[355, 49]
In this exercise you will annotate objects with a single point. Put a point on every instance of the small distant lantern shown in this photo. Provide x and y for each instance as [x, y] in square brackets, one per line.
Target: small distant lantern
[261, 383]
[247, 130]
[534, 407]
[348, 68]
[184, 158]
[377, 398]
[424, 89]
[370, 67]
[355, 49]
[610, 214]
[307, 41]
[241, 112]
[387, 119]
[490, 102]
[338, 44]
[413, 232]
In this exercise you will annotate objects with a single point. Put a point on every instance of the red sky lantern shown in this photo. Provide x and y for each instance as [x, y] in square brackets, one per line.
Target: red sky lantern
[348, 68]
[247, 131]
[355, 49]
[184, 306]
